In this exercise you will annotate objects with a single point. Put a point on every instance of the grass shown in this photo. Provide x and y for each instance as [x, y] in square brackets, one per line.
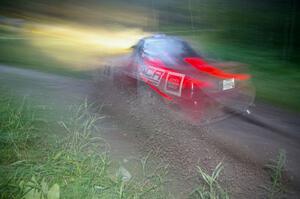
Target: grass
[210, 188]
[276, 168]
[15, 129]
[64, 159]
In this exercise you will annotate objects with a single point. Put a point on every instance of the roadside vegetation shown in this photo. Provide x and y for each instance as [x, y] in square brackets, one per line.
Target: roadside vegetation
[276, 169]
[210, 188]
[65, 159]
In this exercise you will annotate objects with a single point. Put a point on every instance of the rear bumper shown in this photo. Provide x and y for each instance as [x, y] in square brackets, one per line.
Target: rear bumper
[213, 105]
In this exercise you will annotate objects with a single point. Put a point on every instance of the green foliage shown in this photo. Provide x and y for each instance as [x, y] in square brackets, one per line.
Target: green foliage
[210, 189]
[72, 163]
[276, 168]
[36, 190]
[16, 128]
[79, 128]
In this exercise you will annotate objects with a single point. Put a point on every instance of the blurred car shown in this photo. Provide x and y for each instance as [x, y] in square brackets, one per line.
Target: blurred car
[168, 69]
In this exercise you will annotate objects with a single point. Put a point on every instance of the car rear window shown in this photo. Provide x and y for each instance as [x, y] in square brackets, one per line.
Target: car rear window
[170, 51]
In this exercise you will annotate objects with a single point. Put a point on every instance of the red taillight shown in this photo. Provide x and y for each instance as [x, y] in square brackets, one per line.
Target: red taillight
[202, 66]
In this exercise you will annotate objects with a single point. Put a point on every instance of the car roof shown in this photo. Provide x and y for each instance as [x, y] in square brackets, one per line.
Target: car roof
[161, 37]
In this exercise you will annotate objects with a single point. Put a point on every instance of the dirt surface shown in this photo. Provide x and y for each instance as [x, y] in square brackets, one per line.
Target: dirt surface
[244, 144]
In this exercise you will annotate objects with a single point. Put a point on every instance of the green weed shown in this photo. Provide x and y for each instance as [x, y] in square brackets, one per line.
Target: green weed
[16, 127]
[71, 163]
[276, 168]
[210, 189]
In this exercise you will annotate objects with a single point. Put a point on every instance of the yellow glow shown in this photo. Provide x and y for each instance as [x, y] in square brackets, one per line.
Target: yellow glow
[81, 47]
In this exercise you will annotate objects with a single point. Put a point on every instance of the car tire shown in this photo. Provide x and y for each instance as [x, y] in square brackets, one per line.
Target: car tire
[147, 97]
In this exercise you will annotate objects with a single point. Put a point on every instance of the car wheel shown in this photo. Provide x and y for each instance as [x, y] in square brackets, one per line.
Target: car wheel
[147, 97]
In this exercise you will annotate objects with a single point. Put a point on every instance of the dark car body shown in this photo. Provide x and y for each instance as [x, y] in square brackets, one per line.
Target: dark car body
[180, 77]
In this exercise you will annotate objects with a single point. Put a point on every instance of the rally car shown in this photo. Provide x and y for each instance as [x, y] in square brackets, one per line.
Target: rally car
[168, 69]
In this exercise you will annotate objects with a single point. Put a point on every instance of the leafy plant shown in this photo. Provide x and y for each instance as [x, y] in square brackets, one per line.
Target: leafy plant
[39, 190]
[210, 189]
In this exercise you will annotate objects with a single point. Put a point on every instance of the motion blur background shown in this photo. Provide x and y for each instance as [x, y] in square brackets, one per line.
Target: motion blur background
[72, 37]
